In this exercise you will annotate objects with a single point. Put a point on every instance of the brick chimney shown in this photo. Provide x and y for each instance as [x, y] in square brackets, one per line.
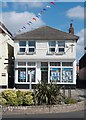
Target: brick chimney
[71, 29]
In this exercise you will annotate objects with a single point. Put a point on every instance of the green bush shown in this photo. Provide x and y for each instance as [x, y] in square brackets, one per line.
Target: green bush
[70, 101]
[3, 101]
[20, 97]
[28, 100]
[10, 96]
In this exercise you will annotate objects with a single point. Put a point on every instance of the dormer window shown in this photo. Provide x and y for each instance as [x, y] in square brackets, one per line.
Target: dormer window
[52, 46]
[61, 46]
[31, 47]
[22, 47]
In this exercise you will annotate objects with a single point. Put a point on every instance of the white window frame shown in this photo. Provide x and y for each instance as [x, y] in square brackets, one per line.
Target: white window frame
[61, 47]
[28, 47]
[50, 52]
[25, 47]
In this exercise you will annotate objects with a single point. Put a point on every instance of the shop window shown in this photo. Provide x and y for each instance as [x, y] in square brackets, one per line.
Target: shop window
[67, 64]
[67, 75]
[55, 74]
[21, 63]
[31, 63]
[54, 63]
[31, 75]
[21, 74]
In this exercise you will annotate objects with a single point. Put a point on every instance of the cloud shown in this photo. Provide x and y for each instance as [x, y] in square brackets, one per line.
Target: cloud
[14, 21]
[76, 12]
[80, 43]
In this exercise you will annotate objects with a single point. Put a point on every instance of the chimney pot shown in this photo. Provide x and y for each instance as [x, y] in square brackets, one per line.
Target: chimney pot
[71, 29]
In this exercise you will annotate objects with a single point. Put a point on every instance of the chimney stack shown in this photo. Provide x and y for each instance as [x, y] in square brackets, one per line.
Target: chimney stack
[71, 29]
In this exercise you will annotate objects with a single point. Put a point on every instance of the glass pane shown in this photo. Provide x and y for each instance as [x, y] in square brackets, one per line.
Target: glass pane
[31, 49]
[52, 49]
[31, 74]
[67, 64]
[22, 43]
[31, 63]
[21, 49]
[54, 63]
[67, 75]
[31, 43]
[55, 74]
[61, 43]
[44, 63]
[52, 43]
[21, 63]
[22, 75]
[61, 49]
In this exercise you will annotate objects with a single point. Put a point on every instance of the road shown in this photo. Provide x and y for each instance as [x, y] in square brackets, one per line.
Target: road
[77, 115]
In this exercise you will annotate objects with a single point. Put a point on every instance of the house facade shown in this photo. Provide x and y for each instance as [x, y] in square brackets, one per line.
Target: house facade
[6, 54]
[45, 55]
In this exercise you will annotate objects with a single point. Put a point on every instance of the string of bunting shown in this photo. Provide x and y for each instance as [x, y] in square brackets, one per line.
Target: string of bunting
[34, 19]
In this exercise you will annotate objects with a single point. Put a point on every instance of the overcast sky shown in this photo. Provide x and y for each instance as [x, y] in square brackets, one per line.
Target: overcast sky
[59, 15]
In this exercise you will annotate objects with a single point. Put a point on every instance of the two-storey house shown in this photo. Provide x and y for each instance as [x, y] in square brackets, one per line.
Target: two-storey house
[6, 54]
[45, 54]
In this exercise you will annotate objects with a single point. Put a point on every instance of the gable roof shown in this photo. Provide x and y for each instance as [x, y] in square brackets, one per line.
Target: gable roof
[46, 33]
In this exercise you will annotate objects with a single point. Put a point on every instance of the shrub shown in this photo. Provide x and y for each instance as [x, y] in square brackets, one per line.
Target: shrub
[46, 93]
[10, 96]
[70, 101]
[28, 100]
[3, 101]
[20, 97]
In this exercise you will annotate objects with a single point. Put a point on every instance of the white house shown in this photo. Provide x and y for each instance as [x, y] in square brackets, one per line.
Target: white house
[6, 53]
[45, 54]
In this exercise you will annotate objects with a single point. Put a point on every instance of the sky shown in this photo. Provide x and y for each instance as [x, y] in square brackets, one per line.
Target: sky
[15, 16]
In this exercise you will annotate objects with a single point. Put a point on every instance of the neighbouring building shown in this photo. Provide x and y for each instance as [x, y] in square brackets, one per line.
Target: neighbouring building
[45, 54]
[82, 68]
[6, 54]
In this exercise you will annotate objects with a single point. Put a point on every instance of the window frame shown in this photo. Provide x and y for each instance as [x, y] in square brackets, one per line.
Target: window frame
[29, 47]
[51, 47]
[20, 47]
[61, 47]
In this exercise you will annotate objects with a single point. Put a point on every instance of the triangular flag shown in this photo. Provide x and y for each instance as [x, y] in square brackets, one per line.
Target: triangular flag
[34, 19]
[52, 3]
[48, 6]
[44, 9]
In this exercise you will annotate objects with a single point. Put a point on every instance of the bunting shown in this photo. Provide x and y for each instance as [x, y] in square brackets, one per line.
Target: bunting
[35, 18]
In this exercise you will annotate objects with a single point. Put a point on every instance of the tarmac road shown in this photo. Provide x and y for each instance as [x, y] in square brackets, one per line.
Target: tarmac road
[76, 115]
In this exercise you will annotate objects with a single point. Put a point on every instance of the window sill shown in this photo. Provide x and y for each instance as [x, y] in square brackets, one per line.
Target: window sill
[30, 53]
[21, 53]
[50, 53]
[60, 53]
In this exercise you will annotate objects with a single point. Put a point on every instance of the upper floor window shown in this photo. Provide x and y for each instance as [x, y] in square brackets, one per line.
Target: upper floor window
[22, 46]
[31, 46]
[61, 46]
[52, 46]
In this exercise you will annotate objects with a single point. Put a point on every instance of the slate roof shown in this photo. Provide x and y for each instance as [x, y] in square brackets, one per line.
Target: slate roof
[46, 33]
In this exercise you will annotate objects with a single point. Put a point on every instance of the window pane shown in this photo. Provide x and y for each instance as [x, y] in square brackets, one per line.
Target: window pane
[67, 75]
[22, 43]
[31, 74]
[44, 63]
[52, 49]
[52, 43]
[21, 63]
[55, 74]
[31, 43]
[61, 49]
[67, 64]
[22, 75]
[54, 63]
[61, 43]
[31, 63]
[31, 49]
[21, 49]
